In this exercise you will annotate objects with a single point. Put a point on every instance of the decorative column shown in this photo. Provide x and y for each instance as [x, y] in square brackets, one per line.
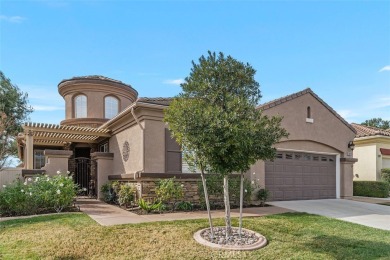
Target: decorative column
[103, 169]
[346, 180]
[29, 150]
[56, 160]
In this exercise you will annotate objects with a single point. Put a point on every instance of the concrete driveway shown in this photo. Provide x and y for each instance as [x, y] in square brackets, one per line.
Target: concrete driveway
[368, 214]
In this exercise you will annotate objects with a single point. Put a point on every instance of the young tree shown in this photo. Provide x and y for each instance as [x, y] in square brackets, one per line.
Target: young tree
[215, 117]
[378, 123]
[14, 110]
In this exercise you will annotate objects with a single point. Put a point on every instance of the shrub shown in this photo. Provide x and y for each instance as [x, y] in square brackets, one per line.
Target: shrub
[169, 191]
[214, 184]
[125, 195]
[385, 174]
[377, 189]
[149, 206]
[262, 195]
[185, 206]
[109, 194]
[37, 194]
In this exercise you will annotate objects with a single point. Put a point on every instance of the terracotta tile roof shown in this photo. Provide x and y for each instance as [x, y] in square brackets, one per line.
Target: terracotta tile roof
[363, 131]
[284, 99]
[157, 100]
[385, 151]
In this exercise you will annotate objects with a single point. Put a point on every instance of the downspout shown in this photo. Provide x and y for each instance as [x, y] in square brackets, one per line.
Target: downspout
[142, 128]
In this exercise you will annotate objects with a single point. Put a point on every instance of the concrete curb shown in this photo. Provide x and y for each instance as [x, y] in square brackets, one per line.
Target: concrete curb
[262, 242]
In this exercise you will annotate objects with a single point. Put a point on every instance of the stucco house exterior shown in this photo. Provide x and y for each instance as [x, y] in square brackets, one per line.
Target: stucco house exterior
[372, 148]
[109, 133]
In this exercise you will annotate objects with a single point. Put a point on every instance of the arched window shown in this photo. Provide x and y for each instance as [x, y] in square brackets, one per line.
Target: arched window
[80, 106]
[111, 107]
[308, 112]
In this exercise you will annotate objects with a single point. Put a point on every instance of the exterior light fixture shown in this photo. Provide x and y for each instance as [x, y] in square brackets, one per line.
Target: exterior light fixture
[351, 145]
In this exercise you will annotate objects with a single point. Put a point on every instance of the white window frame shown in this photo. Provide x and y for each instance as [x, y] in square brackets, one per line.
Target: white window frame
[80, 106]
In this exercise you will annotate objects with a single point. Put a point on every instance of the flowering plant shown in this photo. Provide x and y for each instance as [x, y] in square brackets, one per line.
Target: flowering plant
[37, 194]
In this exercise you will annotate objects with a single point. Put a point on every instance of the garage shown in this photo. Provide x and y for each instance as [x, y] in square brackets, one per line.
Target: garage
[301, 176]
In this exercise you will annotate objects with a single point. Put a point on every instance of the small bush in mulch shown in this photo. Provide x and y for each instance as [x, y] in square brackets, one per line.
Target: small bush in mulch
[378, 189]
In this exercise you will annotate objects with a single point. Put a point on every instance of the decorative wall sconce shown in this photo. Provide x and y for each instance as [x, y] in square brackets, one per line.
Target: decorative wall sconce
[351, 145]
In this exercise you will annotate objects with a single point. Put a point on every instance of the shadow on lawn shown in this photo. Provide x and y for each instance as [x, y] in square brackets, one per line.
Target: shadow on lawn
[38, 219]
[348, 248]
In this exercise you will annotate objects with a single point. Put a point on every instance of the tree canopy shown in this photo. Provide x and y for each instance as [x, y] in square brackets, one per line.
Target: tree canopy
[216, 121]
[14, 110]
[378, 123]
[215, 116]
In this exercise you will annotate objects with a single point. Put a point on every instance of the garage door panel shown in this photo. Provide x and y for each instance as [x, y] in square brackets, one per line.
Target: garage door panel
[305, 176]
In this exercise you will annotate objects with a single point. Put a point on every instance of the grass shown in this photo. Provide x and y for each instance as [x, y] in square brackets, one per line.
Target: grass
[290, 236]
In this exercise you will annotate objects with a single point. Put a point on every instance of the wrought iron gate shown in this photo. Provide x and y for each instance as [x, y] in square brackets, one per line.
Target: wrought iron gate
[82, 175]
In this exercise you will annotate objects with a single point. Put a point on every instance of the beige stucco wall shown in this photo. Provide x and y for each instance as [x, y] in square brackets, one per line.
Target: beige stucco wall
[327, 134]
[104, 163]
[95, 89]
[56, 160]
[366, 166]
[370, 160]
[326, 129]
[134, 135]
[154, 140]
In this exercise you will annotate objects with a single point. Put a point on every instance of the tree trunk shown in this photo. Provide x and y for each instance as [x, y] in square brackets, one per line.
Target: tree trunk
[241, 202]
[206, 197]
[227, 206]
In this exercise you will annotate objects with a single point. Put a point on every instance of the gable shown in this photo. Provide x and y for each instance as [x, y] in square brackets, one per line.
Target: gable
[324, 126]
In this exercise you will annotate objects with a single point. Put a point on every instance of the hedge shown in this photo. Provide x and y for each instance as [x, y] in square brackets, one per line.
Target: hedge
[378, 189]
[385, 174]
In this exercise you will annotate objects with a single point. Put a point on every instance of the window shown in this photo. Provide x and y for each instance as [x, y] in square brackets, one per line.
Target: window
[103, 148]
[39, 159]
[308, 112]
[324, 159]
[80, 105]
[289, 156]
[298, 156]
[111, 105]
[279, 155]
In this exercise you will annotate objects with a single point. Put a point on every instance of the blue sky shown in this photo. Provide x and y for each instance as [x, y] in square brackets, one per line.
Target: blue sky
[340, 49]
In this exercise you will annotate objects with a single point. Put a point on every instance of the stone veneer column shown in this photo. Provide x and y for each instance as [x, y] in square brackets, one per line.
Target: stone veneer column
[346, 178]
[103, 169]
[56, 160]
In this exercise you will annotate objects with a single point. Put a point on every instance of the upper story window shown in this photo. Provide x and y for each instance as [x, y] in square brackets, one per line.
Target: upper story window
[111, 107]
[80, 106]
[308, 112]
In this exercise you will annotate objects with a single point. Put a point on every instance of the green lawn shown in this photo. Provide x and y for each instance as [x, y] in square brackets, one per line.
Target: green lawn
[290, 236]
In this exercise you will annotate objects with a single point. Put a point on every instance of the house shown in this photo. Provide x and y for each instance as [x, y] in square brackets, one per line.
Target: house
[315, 161]
[372, 148]
[109, 133]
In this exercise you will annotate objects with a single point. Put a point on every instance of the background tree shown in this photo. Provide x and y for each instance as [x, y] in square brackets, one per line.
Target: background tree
[14, 110]
[215, 118]
[378, 123]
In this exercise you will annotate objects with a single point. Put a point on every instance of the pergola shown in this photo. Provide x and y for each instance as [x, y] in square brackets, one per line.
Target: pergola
[57, 135]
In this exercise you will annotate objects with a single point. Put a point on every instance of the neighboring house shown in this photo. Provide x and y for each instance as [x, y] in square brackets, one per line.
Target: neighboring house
[372, 148]
[109, 133]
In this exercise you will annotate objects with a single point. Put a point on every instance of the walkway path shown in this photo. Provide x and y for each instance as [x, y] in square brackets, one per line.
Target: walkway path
[108, 215]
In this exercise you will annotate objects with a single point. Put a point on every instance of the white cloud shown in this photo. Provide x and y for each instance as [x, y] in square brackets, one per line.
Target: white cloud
[174, 81]
[46, 108]
[347, 114]
[385, 68]
[12, 19]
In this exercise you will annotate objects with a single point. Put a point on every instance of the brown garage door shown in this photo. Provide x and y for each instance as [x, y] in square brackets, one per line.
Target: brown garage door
[301, 176]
